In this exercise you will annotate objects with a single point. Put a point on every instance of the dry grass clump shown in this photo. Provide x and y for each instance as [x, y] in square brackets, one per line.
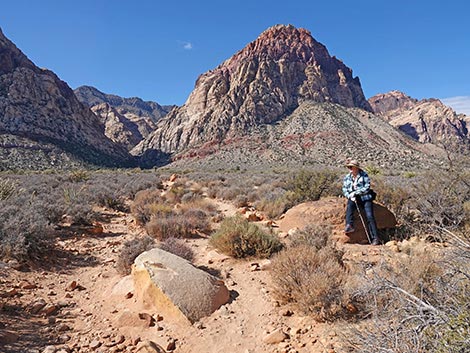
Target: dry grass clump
[130, 250]
[239, 238]
[178, 248]
[311, 275]
[421, 304]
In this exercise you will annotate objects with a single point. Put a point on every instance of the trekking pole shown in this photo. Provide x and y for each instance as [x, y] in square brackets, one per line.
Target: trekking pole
[362, 220]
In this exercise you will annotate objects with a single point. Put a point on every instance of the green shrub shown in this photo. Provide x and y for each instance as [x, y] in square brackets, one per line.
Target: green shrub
[239, 238]
[311, 185]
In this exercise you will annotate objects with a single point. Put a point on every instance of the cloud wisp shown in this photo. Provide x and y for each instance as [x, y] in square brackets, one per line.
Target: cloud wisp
[460, 104]
[185, 45]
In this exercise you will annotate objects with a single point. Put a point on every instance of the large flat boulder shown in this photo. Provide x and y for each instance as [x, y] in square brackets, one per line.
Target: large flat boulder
[175, 288]
[331, 211]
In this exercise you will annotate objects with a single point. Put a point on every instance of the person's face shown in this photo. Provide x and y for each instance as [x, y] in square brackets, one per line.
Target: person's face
[354, 170]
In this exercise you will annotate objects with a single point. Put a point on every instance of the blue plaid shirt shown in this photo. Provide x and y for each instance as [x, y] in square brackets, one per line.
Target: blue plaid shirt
[361, 188]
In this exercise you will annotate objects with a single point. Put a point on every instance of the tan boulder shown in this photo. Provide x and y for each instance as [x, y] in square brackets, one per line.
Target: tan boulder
[331, 211]
[174, 287]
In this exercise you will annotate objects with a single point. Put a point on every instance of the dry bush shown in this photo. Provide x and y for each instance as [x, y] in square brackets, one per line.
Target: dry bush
[178, 248]
[130, 250]
[145, 203]
[420, 305]
[24, 233]
[174, 225]
[273, 202]
[315, 236]
[239, 238]
[8, 188]
[313, 280]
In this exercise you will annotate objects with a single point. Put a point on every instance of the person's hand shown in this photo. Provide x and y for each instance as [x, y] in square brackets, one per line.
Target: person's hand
[352, 198]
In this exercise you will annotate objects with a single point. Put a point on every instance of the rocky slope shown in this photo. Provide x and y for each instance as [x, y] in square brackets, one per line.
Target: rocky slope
[39, 112]
[261, 84]
[427, 120]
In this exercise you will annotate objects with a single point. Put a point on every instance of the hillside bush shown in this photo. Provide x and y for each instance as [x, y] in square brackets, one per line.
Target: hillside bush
[129, 252]
[419, 305]
[311, 279]
[178, 248]
[239, 238]
[309, 185]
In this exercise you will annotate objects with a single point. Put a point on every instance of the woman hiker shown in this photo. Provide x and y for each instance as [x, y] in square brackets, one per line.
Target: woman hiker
[356, 188]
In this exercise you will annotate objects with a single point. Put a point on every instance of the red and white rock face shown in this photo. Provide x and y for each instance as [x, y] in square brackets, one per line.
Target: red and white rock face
[262, 83]
[427, 120]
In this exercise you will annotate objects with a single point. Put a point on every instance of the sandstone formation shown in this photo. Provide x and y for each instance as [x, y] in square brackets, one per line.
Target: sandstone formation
[176, 288]
[40, 113]
[117, 127]
[331, 212]
[125, 112]
[261, 84]
[427, 120]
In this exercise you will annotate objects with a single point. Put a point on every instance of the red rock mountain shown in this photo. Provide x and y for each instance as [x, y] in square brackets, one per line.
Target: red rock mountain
[262, 83]
[427, 120]
[42, 124]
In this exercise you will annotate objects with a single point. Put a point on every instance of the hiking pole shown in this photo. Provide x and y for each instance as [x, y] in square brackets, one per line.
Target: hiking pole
[366, 228]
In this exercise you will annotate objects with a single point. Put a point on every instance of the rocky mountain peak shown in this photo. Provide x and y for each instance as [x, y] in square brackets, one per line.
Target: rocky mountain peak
[261, 84]
[426, 120]
[386, 102]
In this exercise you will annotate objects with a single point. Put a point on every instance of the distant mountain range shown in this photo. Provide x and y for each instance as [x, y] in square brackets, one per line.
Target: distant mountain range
[281, 100]
[42, 123]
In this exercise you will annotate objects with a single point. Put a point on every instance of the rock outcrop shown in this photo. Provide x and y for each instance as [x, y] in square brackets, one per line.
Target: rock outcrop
[117, 127]
[176, 288]
[260, 84]
[427, 120]
[331, 212]
[39, 112]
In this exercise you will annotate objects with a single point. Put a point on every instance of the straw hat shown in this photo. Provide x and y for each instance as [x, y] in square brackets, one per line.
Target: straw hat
[353, 163]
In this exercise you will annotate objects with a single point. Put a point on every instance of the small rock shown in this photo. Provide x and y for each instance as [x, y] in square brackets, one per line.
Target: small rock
[11, 292]
[71, 287]
[149, 347]
[277, 336]
[50, 309]
[95, 344]
[27, 285]
[64, 338]
[37, 306]
[285, 312]
[171, 346]
[149, 320]
[129, 295]
[49, 349]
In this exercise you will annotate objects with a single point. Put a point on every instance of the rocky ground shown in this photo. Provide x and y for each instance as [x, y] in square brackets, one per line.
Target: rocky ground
[76, 301]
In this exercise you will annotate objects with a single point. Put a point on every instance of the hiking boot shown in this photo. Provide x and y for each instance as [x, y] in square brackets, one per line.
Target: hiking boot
[349, 229]
[375, 241]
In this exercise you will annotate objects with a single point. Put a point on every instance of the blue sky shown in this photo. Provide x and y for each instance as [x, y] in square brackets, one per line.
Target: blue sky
[156, 49]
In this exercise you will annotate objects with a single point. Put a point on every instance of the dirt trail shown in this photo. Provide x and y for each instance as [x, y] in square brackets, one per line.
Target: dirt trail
[98, 315]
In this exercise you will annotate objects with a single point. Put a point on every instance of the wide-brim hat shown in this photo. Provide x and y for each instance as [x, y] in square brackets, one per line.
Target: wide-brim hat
[353, 163]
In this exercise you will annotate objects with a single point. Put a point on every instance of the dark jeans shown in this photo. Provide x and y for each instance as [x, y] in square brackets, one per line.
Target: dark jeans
[367, 206]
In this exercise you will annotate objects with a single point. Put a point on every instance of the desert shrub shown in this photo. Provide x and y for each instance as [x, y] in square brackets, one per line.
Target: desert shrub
[241, 201]
[419, 305]
[311, 185]
[24, 233]
[312, 279]
[315, 236]
[178, 248]
[273, 202]
[130, 250]
[146, 203]
[8, 188]
[78, 176]
[181, 223]
[239, 238]
[372, 170]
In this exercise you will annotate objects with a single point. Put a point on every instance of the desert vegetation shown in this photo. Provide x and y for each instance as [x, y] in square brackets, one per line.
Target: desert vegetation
[416, 301]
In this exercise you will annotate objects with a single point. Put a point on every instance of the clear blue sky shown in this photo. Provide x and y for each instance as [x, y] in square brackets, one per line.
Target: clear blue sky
[156, 49]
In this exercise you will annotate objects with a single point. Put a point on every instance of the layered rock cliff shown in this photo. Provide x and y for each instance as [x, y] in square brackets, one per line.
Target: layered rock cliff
[37, 109]
[260, 84]
[427, 120]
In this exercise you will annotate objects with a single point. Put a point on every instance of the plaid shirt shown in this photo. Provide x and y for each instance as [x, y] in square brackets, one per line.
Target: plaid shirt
[361, 187]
